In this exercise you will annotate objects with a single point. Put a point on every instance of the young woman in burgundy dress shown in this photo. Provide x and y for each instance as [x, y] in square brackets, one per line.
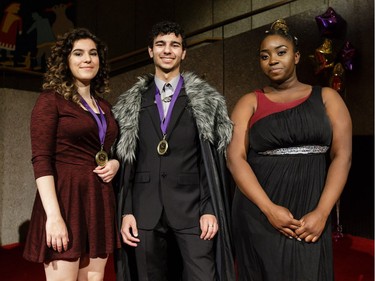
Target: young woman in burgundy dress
[72, 228]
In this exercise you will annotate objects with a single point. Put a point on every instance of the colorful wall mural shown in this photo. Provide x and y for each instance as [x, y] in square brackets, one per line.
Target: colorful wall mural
[29, 28]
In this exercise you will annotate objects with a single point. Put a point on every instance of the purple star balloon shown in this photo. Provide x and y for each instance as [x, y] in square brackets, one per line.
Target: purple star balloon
[330, 23]
[347, 54]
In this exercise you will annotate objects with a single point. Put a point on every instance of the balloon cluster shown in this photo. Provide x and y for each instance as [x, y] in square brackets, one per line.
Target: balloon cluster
[335, 64]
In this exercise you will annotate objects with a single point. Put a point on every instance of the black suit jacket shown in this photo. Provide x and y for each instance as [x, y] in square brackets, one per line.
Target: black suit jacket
[207, 106]
[176, 181]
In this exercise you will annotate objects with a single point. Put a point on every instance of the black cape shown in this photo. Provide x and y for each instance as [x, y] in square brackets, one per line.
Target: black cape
[215, 129]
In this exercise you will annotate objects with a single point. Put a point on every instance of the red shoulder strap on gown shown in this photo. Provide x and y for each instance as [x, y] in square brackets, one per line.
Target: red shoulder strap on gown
[267, 107]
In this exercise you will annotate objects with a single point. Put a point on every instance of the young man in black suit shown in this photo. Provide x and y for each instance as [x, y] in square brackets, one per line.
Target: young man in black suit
[174, 132]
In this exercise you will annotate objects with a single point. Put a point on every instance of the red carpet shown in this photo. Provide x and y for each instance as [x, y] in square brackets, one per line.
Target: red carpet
[353, 261]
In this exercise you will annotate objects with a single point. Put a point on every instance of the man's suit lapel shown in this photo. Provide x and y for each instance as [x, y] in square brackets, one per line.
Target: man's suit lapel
[149, 105]
[178, 110]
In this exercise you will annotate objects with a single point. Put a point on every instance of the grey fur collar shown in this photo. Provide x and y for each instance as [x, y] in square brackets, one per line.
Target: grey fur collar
[208, 107]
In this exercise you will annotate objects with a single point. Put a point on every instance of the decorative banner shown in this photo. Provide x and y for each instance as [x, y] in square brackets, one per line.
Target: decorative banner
[29, 28]
[330, 23]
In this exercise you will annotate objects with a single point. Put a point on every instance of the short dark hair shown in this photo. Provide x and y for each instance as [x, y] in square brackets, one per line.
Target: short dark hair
[164, 28]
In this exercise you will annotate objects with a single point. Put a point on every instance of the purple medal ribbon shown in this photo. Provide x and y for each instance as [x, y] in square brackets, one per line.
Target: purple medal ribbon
[164, 125]
[102, 123]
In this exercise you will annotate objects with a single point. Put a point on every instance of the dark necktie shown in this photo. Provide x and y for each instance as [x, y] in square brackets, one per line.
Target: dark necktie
[167, 89]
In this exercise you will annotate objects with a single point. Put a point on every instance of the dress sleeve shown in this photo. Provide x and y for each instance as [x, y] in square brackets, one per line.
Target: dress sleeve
[43, 128]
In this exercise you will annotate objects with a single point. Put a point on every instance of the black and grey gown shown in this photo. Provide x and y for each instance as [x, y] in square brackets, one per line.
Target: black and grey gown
[293, 178]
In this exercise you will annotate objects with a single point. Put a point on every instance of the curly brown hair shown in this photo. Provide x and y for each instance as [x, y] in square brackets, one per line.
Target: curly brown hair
[58, 76]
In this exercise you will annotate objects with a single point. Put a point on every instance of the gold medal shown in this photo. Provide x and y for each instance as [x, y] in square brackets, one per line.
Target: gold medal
[162, 147]
[101, 158]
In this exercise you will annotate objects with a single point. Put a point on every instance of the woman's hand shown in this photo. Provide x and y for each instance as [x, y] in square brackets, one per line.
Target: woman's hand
[282, 219]
[57, 234]
[56, 231]
[108, 172]
[312, 227]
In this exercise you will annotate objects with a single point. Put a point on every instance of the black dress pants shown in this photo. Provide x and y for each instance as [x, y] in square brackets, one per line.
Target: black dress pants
[166, 254]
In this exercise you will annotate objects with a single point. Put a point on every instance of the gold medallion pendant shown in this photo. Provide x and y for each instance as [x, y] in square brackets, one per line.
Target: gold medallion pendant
[162, 147]
[101, 158]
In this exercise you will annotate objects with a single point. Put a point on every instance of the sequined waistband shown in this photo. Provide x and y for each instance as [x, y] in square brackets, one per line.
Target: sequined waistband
[306, 149]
